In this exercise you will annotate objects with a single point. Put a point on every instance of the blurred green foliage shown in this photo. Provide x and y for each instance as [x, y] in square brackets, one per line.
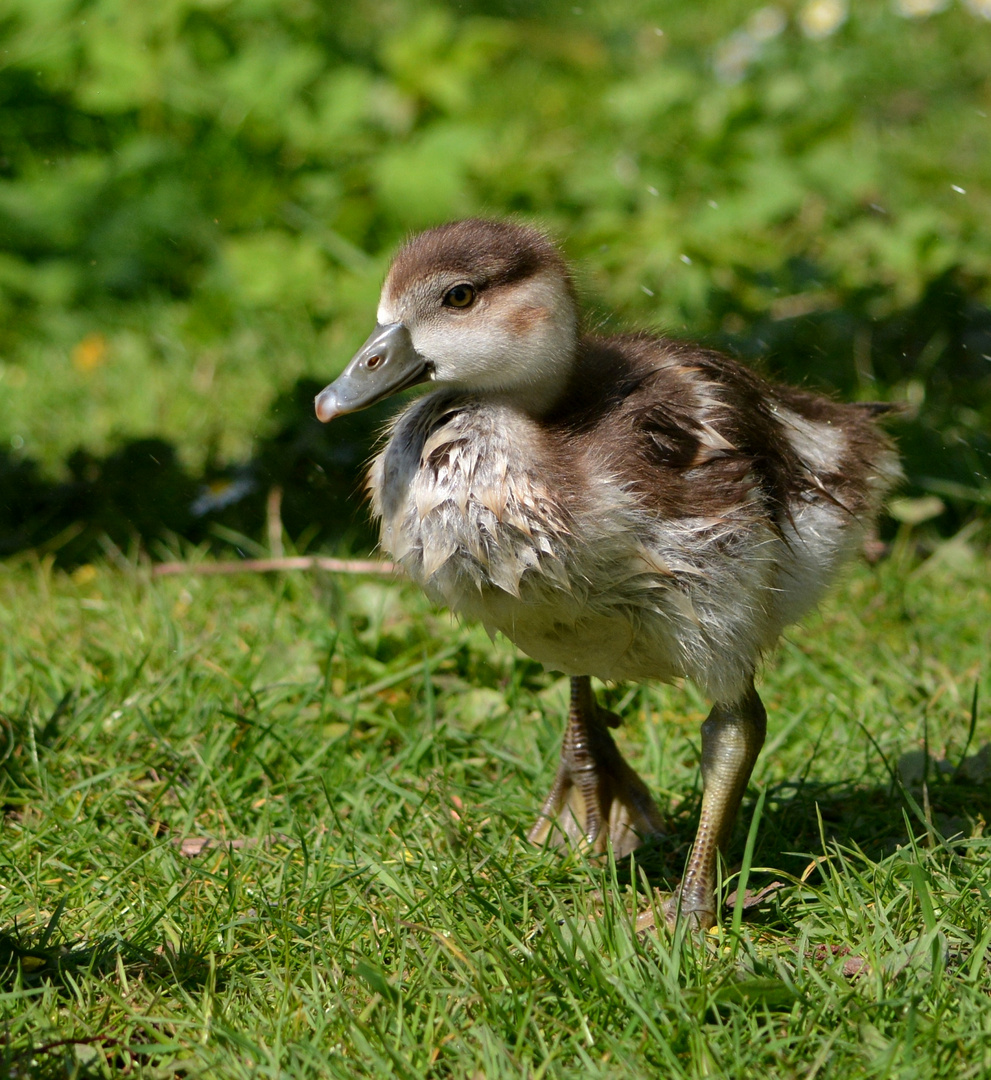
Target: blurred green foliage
[198, 198]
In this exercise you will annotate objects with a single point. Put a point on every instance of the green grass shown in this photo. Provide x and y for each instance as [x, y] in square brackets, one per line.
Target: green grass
[366, 770]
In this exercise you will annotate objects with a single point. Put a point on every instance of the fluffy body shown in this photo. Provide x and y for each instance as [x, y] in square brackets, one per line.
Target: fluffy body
[627, 507]
[642, 529]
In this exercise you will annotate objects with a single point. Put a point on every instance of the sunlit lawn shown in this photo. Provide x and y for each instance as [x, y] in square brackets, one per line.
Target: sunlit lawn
[274, 826]
[364, 770]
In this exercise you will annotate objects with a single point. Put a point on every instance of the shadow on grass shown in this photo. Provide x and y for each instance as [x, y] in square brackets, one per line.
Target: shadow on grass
[141, 493]
[28, 965]
[26, 962]
[945, 802]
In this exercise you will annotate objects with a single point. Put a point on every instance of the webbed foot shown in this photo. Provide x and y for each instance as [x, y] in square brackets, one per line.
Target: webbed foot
[597, 799]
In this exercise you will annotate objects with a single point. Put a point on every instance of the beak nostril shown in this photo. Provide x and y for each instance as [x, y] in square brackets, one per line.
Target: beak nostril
[384, 365]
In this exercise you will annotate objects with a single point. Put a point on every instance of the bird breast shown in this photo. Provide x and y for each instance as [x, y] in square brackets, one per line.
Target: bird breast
[558, 554]
[461, 504]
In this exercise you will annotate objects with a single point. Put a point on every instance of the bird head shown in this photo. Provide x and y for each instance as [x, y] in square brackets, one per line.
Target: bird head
[484, 307]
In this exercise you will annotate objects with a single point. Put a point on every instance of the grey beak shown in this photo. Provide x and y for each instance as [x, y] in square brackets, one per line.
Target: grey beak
[384, 365]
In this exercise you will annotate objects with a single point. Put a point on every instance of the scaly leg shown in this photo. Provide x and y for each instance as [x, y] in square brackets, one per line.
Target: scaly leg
[597, 799]
[731, 740]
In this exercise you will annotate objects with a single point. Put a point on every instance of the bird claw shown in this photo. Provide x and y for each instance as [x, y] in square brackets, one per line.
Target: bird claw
[673, 909]
[620, 819]
[597, 800]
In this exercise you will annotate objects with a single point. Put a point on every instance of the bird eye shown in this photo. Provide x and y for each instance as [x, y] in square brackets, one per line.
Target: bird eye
[461, 296]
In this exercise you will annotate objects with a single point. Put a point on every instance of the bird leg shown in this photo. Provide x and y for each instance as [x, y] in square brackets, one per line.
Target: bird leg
[731, 740]
[597, 799]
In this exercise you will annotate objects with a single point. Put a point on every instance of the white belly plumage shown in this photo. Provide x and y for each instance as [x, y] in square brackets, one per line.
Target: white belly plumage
[594, 585]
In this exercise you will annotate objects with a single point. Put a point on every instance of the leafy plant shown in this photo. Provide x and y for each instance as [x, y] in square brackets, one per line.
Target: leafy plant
[215, 189]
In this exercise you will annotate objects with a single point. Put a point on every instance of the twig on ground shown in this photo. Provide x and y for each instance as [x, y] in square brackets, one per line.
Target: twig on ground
[292, 562]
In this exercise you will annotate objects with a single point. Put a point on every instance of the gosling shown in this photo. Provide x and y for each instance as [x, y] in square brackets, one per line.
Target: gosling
[623, 507]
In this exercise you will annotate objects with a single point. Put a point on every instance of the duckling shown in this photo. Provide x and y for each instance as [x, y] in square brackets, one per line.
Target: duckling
[627, 507]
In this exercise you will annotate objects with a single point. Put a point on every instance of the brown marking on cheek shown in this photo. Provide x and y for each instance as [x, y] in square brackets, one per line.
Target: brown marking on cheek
[521, 320]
